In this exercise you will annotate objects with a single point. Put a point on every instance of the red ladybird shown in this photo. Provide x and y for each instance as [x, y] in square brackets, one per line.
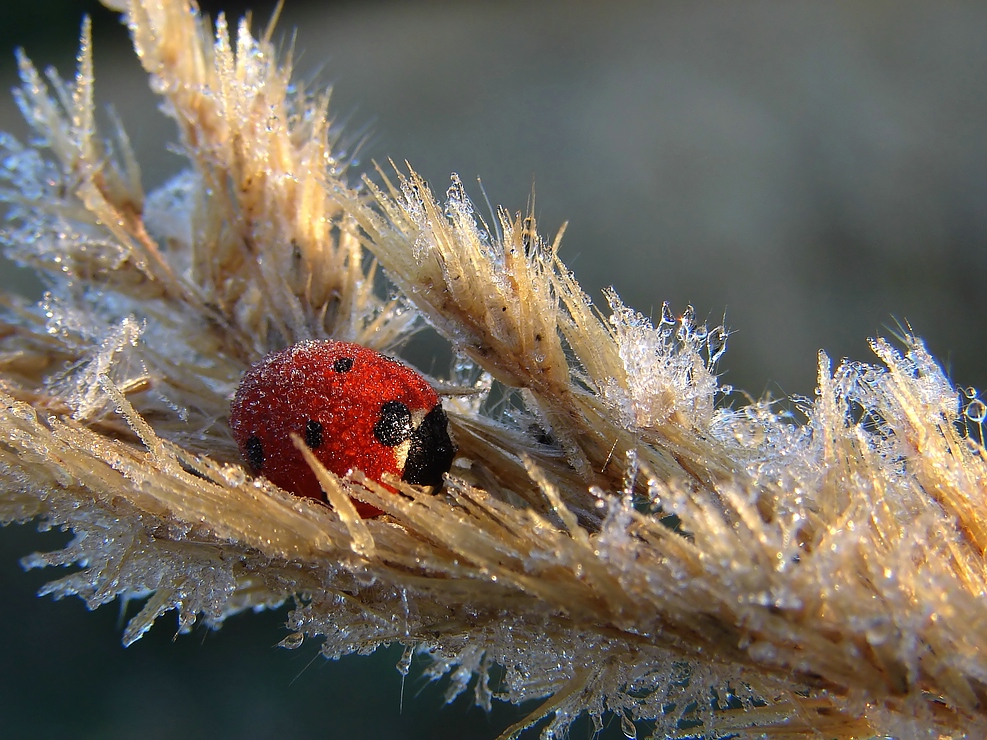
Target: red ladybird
[355, 409]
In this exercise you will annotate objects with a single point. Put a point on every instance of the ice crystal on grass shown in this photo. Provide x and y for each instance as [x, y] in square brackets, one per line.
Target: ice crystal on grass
[665, 368]
[613, 539]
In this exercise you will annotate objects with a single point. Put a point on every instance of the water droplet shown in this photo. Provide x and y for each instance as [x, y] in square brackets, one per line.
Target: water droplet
[292, 641]
[666, 314]
[233, 475]
[976, 411]
[716, 343]
[627, 726]
[404, 665]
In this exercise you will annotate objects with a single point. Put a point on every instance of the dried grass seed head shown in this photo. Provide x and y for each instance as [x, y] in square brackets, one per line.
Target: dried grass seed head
[826, 577]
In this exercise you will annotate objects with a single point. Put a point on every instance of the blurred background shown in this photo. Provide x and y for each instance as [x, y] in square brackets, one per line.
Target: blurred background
[814, 171]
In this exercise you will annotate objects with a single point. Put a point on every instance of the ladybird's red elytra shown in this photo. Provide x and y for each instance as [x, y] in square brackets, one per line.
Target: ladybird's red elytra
[353, 407]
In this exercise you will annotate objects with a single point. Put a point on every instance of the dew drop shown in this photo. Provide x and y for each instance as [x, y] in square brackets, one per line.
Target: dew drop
[976, 411]
[666, 314]
[627, 726]
[292, 641]
[717, 344]
[404, 665]
[233, 475]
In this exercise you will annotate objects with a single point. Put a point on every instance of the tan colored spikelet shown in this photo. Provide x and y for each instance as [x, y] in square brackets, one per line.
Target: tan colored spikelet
[617, 540]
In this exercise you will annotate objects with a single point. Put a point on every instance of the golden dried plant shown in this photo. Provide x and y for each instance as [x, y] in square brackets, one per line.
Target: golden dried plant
[611, 535]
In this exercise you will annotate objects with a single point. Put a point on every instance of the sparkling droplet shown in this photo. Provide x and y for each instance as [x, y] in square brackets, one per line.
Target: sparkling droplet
[292, 641]
[666, 314]
[233, 475]
[404, 665]
[976, 411]
[627, 726]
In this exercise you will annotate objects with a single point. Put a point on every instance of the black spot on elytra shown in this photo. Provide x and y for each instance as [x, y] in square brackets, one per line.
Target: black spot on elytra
[431, 450]
[313, 434]
[255, 453]
[342, 364]
[394, 425]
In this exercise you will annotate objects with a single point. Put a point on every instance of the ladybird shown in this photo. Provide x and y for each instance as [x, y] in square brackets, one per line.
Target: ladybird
[355, 409]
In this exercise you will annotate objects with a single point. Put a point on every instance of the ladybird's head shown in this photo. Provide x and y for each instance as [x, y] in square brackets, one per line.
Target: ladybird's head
[432, 451]
[419, 437]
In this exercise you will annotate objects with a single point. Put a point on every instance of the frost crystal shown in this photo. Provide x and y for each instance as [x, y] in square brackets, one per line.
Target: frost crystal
[610, 541]
[666, 373]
